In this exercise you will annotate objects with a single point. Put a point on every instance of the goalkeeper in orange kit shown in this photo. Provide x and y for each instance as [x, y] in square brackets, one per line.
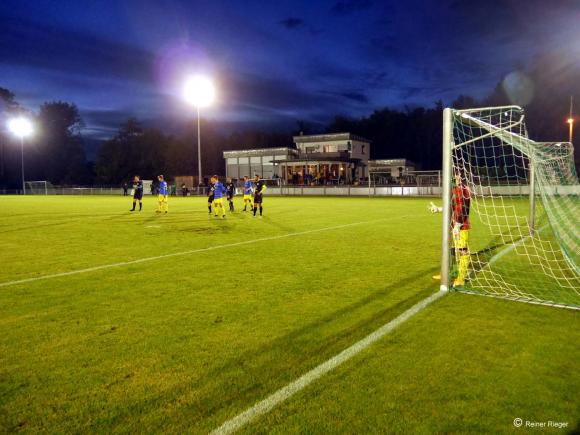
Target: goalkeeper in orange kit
[460, 226]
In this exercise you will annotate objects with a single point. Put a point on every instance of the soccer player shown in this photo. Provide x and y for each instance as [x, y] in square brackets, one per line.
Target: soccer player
[230, 192]
[248, 190]
[210, 195]
[219, 192]
[162, 197]
[258, 194]
[460, 203]
[137, 192]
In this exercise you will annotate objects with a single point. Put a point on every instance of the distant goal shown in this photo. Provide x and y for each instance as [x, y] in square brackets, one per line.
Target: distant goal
[39, 187]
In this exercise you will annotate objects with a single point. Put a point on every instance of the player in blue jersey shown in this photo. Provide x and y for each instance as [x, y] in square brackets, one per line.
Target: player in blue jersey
[162, 197]
[248, 190]
[219, 191]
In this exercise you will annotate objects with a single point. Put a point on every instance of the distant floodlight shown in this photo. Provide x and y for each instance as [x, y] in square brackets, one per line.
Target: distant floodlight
[20, 127]
[570, 120]
[199, 91]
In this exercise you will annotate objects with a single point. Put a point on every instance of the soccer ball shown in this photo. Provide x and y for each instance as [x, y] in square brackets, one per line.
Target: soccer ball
[434, 209]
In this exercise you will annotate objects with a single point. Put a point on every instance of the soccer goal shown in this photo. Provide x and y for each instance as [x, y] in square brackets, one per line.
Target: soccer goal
[511, 213]
[38, 187]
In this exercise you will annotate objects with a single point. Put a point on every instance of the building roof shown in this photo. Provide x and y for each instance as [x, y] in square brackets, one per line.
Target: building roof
[259, 152]
[328, 138]
[391, 162]
[320, 159]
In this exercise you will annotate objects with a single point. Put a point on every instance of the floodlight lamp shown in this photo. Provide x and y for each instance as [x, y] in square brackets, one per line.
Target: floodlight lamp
[20, 127]
[199, 91]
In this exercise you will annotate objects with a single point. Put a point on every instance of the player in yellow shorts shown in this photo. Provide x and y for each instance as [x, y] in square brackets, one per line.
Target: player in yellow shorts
[248, 190]
[162, 197]
[219, 192]
[460, 225]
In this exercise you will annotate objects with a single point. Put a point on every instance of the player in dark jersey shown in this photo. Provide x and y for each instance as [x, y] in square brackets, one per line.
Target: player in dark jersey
[137, 192]
[460, 226]
[259, 189]
[230, 193]
[210, 195]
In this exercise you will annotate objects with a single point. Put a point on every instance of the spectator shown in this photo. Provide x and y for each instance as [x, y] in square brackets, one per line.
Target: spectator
[125, 189]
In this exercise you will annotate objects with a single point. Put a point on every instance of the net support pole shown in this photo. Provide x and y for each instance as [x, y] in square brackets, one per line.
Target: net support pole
[446, 196]
[532, 198]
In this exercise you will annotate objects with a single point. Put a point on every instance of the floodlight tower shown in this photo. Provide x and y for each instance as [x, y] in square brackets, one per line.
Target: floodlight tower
[21, 127]
[200, 92]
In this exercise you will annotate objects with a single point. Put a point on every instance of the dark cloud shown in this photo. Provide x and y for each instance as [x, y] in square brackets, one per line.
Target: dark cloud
[348, 7]
[292, 22]
[54, 48]
[352, 96]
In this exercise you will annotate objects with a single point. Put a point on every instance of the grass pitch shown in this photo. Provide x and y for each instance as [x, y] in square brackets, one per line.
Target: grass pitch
[182, 343]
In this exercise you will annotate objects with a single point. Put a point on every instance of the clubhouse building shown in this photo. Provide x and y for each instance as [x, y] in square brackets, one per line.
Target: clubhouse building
[339, 158]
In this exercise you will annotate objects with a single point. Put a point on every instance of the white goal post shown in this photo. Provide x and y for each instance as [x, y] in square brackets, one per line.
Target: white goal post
[511, 210]
[41, 187]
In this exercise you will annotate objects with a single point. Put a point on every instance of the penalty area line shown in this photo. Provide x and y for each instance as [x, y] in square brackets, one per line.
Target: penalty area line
[302, 382]
[190, 252]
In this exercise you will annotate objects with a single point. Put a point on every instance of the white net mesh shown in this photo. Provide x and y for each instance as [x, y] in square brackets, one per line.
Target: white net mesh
[39, 187]
[500, 247]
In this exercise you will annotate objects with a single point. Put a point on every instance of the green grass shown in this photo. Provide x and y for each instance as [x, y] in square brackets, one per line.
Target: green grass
[183, 343]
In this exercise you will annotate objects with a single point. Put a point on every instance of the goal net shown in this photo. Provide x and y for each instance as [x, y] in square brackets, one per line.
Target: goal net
[39, 187]
[511, 210]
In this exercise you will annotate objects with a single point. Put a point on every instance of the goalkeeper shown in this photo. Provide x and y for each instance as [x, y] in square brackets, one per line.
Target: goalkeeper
[460, 226]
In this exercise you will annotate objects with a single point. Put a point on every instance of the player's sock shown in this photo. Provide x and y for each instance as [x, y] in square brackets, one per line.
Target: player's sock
[134, 203]
[140, 206]
[260, 210]
[255, 210]
[464, 260]
[209, 208]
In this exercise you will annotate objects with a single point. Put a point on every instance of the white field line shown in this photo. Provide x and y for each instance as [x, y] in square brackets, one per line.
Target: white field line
[510, 248]
[190, 252]
[289, 390]
[500, 254]
[521, 299]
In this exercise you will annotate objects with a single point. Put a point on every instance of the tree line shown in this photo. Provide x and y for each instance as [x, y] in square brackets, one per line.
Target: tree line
[57, 152]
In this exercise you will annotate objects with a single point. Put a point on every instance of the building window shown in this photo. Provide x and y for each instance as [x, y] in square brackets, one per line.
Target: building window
[255, 160]
[232, 161]
[244, 160]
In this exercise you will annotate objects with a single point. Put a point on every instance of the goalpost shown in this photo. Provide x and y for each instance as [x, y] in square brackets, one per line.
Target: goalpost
[522, 200]
[38, 187]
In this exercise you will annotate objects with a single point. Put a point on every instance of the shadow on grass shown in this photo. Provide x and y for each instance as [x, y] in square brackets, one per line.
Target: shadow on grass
[239, 382]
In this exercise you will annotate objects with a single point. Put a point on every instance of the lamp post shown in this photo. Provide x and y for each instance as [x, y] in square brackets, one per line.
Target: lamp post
[200, 92]
[571, 121]
[21, 127]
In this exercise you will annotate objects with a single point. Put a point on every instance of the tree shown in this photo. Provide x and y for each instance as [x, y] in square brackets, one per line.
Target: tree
[8, 157]
[61, 153]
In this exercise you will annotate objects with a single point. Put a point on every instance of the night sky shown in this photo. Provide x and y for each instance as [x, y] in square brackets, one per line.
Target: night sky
[274, 62]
